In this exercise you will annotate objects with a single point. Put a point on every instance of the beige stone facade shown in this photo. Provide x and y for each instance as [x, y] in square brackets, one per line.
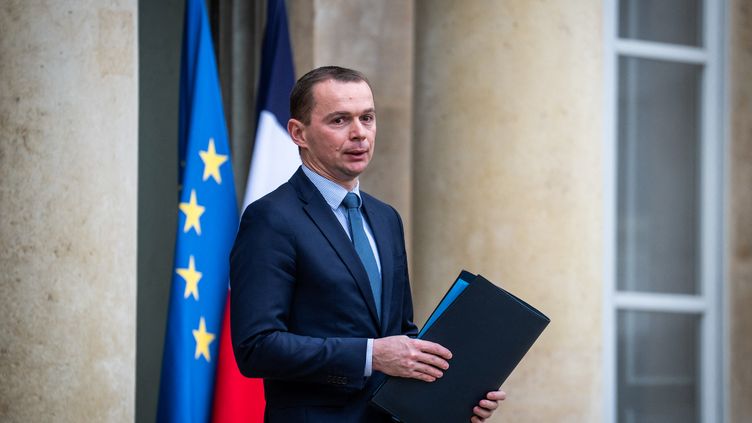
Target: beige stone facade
[491, 122]
[505, 162]
[739, 215]
[68, 174]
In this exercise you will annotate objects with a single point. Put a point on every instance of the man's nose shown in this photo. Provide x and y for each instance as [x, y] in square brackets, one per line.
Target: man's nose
[357, 130]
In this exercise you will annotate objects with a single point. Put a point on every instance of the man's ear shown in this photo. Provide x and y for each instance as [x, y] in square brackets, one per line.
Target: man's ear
[296, 129]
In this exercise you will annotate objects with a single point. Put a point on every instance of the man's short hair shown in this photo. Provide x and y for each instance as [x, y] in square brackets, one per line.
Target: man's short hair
[301, 97]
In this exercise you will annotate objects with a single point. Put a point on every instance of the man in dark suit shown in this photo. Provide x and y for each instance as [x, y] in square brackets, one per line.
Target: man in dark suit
[321, 306]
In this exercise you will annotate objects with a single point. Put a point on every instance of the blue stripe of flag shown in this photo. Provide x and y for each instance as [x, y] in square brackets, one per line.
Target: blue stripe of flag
[277, 75]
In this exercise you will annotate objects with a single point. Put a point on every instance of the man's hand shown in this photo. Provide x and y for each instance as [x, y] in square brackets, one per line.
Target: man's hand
[413, 358]
[487, 406]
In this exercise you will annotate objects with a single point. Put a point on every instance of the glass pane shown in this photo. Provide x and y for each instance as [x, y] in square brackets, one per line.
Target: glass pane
[658, 176]
[664, 21]
[658, 367]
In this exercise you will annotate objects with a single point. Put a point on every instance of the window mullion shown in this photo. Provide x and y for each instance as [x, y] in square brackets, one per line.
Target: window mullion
[660, 302]
[661, 51]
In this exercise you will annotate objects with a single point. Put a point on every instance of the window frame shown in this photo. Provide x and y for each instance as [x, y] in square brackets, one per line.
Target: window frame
[709, 302]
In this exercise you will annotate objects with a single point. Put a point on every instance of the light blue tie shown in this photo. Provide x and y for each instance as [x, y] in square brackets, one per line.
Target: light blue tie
[363, 247]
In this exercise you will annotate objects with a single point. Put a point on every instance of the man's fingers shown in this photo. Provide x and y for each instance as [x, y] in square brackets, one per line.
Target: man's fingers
[433, 360]
[421, 376]
[489, 405]
[482, 412]
[428, 370]
[496, 396]
[486, 407]
[432, 348]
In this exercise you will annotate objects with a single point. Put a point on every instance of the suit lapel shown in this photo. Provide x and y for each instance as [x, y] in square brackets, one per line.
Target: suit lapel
[321, 215]
[380, 228]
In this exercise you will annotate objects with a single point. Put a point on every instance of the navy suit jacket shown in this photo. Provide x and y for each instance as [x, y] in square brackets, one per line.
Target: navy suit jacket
[302, 306]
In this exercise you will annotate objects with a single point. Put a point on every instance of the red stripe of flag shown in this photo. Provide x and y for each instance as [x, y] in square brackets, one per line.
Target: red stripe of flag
[236, 397]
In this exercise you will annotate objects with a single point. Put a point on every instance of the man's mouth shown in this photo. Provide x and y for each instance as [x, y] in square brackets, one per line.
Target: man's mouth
[357, 153]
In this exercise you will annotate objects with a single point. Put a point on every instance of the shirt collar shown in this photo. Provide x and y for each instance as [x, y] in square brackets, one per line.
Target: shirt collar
[332, 192]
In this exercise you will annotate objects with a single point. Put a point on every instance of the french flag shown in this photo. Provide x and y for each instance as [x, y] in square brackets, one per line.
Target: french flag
[275, 158]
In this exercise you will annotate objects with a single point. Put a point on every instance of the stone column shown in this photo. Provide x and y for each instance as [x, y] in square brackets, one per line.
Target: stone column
[508, 180]
[739, 250]
[68, 174]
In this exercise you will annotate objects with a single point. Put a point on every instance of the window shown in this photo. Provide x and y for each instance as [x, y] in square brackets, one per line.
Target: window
[664, 211]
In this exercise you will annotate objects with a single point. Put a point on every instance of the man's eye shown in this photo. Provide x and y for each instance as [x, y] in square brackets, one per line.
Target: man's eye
[338, 121]
[367, 118]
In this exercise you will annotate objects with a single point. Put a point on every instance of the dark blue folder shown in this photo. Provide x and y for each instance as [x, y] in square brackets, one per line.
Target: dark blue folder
[488, 331]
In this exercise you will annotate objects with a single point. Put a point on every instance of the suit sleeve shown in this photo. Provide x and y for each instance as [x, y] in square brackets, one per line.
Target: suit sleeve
[262, 279]
[408, 326]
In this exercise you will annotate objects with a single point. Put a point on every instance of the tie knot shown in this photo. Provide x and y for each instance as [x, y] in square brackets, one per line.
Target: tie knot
[351, 201]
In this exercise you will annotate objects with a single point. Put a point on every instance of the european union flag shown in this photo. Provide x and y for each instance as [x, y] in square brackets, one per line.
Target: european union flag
[238, 399]
[207, 223]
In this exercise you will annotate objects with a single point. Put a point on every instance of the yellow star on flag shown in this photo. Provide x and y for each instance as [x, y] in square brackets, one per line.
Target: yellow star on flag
[191, 278]
[193, 212]
[203, 339]
[212, 162]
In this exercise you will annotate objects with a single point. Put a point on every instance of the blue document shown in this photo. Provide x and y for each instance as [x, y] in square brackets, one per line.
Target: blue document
[454, 292]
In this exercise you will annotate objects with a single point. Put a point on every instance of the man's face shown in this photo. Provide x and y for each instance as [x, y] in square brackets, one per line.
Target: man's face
[339, 140]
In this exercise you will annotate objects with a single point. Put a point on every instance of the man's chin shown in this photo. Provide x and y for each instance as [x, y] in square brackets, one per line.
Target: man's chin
[354, 169]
